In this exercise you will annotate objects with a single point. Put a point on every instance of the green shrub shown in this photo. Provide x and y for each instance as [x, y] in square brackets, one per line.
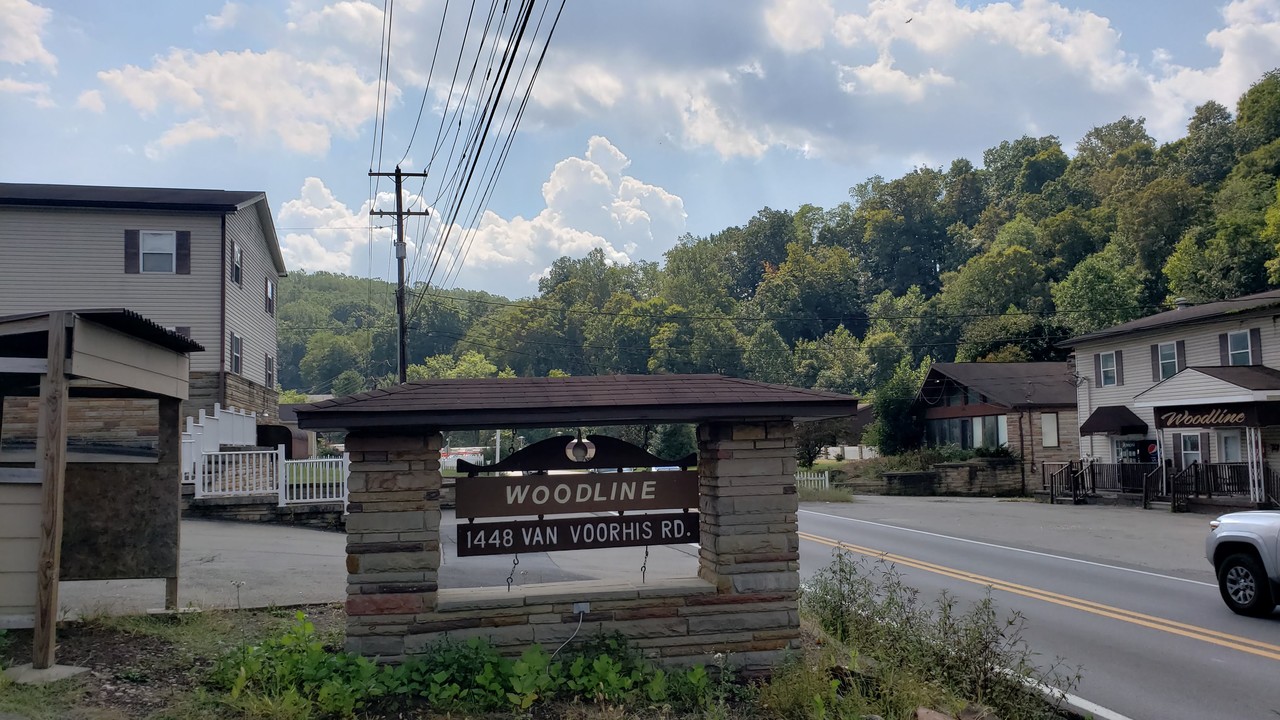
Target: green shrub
[294, 677]
[972, 654]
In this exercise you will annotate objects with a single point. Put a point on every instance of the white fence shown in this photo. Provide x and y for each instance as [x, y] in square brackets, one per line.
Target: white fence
[210, 432]
[267, 472]
[814, 480]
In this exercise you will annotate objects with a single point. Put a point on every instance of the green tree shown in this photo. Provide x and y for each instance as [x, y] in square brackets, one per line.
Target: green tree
[1014, 337]
[349, 382]
[1105, 289]
[898, 426]
[1209, 150]
[993, 281]
[292, 397]
[1258, 110]
[327, 356]
[812, 292]
[766, 357]
[470, 364]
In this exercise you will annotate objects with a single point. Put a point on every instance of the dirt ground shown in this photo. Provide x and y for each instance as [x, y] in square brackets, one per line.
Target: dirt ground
[142, 666]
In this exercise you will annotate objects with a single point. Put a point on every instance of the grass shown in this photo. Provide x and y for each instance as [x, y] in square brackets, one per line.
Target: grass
[830, 494]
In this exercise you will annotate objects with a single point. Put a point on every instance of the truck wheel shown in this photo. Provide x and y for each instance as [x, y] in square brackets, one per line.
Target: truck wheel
[1244, 585]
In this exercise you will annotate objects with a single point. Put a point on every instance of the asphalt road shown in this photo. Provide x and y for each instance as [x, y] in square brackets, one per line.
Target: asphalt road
[1123, 593]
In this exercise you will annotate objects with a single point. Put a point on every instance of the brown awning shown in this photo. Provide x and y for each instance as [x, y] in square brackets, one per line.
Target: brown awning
[1113, 420]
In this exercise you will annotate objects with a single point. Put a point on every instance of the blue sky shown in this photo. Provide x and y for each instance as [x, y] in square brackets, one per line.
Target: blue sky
[649, 119]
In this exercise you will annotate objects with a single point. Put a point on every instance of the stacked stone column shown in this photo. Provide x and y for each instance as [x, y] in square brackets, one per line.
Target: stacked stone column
[393, 538]
[750, 548]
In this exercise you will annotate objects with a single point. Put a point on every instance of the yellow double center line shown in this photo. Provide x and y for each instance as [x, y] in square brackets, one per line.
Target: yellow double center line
[1226, 640]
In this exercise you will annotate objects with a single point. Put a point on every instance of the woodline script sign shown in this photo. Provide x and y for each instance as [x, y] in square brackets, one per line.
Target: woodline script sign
[1203, 416]
[576, 533]
[511, 496]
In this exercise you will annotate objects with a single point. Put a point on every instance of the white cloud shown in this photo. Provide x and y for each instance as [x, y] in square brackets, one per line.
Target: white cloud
[1248, 44]
[883, 78]
[38, 92]
[798, 25]
[590, 202]
[22, 25]
[225, 19]
[91, 100]
[256, 97]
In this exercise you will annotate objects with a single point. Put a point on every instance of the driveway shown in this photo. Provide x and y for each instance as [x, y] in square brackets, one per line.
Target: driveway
[229, 564]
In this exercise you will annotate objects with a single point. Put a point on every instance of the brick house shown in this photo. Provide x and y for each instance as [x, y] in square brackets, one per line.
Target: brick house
[1029, 408]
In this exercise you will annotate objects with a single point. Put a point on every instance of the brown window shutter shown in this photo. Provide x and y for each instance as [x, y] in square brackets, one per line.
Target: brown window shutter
[1119, 368]
[1177, 450]
[1204, 448]
[1155, 363]
[1180, 349]
[1097, 369]
[182, 259]
[1255, 346]
[1223, 357]
[132, 253]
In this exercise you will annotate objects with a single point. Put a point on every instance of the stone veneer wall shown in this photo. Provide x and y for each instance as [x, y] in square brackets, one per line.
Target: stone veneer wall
[744, 601]
[115, 426]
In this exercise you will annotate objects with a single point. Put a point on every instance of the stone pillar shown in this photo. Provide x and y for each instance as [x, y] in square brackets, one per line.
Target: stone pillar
[749, 542]
[393, 538]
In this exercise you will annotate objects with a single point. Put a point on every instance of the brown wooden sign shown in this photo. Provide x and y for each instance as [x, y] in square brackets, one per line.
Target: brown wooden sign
[576, 533]
[510, 496]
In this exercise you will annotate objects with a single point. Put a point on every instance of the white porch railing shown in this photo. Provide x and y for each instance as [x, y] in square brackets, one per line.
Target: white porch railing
[267, 472]
[315, 480]
[210, 432]
[814, 480]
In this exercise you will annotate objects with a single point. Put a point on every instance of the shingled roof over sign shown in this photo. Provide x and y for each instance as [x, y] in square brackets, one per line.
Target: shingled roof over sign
[571, 401]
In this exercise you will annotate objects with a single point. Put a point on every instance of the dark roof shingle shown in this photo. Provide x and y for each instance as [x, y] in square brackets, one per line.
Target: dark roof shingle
[1015, 383]
[1249, 377]
[135, 198]
[1194, 314]
[586, 400]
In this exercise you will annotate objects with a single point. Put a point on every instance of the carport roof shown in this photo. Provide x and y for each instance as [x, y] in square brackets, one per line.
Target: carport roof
[571, 401]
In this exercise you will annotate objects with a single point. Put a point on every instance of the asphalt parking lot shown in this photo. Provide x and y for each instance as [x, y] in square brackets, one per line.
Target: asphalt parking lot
[228, 565]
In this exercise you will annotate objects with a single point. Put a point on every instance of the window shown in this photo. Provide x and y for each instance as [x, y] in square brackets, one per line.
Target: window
[271, 372]
[237, 349]
[1168, 359]
[1107, 365]
[159, 251]
[1238, 351]
[237, 263]
[1190, 448]
[1048, 430]
[271, 297]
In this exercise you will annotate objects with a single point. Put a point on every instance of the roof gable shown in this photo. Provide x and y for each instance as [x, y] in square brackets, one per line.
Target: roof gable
[1012, 384]
[1195, 385]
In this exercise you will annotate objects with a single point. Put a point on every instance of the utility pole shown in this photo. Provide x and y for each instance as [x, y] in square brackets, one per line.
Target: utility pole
[402, 342]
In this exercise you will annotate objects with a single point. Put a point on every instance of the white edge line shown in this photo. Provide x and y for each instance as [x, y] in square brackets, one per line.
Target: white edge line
[1014, 549]
[1075, 701]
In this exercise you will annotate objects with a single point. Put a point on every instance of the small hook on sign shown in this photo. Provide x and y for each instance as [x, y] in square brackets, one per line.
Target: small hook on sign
[644, 566]
[515, 560]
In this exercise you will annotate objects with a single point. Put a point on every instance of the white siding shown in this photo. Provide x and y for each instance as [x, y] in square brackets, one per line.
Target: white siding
[246, 301]
[74, 259]
[1201, 350]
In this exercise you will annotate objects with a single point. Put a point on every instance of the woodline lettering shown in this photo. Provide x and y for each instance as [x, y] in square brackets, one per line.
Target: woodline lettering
[515, 496]
[1216, 416]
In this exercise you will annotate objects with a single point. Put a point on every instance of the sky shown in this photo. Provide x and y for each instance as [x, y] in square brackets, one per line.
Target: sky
[648, 120]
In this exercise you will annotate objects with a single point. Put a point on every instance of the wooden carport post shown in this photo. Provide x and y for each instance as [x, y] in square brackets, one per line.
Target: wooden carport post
[51, 464]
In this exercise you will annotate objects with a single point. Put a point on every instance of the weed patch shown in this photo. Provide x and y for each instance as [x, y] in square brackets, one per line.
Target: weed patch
[924, 653]
[824, 495]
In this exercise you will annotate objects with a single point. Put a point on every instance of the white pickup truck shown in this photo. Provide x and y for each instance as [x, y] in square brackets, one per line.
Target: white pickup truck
[1244, 548]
